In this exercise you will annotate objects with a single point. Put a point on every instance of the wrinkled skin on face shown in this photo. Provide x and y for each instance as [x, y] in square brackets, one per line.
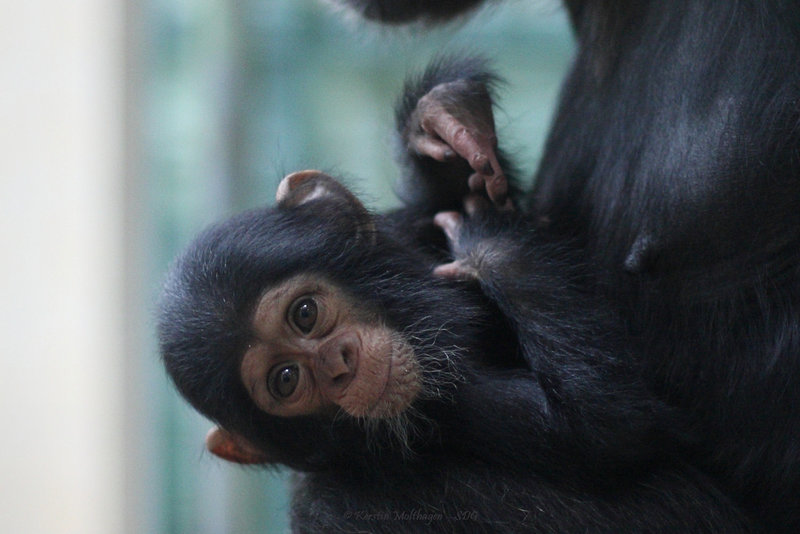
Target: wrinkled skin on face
[313, 352]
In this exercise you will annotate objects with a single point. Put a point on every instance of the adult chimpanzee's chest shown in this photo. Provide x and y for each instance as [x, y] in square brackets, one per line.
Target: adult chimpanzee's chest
[675, 143]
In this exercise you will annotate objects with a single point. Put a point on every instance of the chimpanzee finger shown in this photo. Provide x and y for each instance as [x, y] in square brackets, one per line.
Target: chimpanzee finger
[475, 205]
[450, 222]
[426, 145]
[496, 188]
[496, 183]
[477, 183]
[455, 270]
[469, 143]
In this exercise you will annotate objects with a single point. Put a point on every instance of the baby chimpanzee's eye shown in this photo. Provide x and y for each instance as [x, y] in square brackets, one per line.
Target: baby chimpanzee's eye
[283, 380]
[303, 315]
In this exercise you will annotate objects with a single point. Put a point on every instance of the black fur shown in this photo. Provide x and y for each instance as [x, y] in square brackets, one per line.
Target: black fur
[533, 417]
[674, 158]
[684, 180]
[401, 11]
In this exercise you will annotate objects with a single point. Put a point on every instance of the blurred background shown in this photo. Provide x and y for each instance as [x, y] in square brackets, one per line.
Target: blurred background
[125, 128]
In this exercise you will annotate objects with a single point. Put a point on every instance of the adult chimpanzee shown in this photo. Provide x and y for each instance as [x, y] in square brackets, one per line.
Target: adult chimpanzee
[675, 158]
[317, 336]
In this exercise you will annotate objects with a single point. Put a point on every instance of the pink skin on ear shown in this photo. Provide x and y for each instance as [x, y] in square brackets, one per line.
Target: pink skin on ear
[233, 448]
[291, 181]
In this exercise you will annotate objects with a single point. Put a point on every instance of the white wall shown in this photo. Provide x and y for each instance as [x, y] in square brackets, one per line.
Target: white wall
[61, 265]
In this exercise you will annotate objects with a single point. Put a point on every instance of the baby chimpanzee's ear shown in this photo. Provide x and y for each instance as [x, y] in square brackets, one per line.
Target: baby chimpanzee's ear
[234, 448]
[305, 186]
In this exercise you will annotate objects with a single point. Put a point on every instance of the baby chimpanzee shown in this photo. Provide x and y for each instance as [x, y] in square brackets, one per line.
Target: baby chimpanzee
[495, 393]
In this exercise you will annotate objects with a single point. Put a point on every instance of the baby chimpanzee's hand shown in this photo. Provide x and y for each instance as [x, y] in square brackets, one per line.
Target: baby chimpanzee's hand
[452, 121]
[470, 249]
[460, 268]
